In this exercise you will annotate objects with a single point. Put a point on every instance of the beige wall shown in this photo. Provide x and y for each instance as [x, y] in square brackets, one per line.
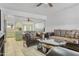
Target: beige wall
[65, 19]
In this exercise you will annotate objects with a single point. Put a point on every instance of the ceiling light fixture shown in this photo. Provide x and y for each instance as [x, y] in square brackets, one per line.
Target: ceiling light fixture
[50, 4]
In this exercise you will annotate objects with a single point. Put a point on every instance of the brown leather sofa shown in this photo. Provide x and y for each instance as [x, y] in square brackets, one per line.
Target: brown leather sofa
[28, 37]
[71, 36]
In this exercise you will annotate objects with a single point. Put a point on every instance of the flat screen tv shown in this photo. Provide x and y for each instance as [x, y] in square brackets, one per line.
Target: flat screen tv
[0, 20]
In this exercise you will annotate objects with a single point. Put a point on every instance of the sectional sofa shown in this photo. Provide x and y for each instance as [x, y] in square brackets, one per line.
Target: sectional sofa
[70, 36]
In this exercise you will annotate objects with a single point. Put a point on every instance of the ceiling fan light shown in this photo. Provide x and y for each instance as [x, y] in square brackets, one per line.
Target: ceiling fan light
[45, 3]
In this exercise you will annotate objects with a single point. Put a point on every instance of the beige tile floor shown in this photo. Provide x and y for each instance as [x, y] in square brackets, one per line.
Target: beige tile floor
[12, 48]
[15, 48]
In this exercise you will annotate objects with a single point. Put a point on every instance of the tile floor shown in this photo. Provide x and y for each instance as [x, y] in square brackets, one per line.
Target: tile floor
[15, 48]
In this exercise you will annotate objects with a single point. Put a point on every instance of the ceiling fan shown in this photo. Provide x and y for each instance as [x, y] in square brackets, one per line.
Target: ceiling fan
[50, 4]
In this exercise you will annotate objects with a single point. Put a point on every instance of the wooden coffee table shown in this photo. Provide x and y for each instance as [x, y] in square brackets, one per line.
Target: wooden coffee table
[51, 42]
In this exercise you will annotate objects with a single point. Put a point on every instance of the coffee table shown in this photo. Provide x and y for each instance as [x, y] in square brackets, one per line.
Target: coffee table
[52, 42]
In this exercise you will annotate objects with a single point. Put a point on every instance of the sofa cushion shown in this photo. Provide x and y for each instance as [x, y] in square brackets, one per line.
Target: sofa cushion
[57, 32]
[68, 33]
[62, 33]
[77, 35]
[70, 40]
[72, 34]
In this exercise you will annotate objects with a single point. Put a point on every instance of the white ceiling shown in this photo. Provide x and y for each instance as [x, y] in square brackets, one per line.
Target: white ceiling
[44, 9]
[59, 14]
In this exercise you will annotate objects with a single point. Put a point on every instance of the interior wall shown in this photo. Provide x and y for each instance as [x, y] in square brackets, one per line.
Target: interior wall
[2, 23]
[65, 19]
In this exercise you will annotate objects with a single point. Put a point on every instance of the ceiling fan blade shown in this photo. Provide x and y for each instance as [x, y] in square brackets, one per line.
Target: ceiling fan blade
[39, 4]
[50, 4]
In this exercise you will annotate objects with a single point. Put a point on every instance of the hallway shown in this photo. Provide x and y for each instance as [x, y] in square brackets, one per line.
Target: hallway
[13, 48]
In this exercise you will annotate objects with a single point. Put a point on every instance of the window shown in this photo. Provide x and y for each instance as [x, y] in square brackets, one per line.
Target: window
[39, 26]
[29, 26]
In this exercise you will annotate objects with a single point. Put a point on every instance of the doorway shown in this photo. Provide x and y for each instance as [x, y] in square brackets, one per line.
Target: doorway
[14, 43]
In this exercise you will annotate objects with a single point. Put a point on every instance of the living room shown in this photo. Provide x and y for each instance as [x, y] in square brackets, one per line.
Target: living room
[46, 29]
